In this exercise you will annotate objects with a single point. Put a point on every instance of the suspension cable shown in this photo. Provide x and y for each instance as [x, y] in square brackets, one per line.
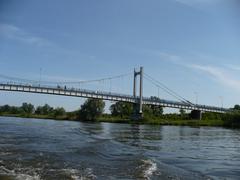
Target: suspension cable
[63, 82]
[166, 89]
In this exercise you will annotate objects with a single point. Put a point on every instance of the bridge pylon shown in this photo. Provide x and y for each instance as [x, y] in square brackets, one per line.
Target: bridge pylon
[138, 106]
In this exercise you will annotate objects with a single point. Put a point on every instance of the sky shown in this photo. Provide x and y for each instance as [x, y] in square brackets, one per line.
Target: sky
[191, 46]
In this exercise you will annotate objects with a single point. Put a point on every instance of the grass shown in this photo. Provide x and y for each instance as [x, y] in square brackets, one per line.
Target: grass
[164, 121]
[36, 116]
[175, 120]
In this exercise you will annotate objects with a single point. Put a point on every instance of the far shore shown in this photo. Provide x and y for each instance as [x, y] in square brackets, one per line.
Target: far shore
[110, 119]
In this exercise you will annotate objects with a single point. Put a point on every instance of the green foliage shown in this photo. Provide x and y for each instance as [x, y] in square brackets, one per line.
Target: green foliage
[182, 112]
[59, 111]
[39, 110]
[27, 108]
[152, 111]
[16, 110]
[237, 107]
[5, 108]
[155, 111]
[91, 109]
[72, 115]
[44, 110]
[232, 119]
[10, 109]
[121, 109]
[211, 116]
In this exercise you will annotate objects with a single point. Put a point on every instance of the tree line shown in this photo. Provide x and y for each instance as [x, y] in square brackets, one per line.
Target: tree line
[90, 110]
[93, 109]
[29, 109]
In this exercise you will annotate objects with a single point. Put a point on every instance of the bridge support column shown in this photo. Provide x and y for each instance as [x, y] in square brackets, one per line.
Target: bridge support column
[141, 92]
[196, 114]
[138, 107]
[136, 113]
[135, 84]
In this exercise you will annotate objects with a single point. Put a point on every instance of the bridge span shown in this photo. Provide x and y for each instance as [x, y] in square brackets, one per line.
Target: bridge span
[107, 96]
[137, 99]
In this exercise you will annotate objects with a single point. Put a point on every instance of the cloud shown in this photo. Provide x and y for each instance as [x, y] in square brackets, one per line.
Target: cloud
[198, 2]
[169, 57]
[218, 74]
[233, 67]
[164, 56]
[15, 33]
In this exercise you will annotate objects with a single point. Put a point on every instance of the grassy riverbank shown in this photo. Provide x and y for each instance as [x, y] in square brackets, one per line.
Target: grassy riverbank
[231, 120]
[37, 116]
[217, 122]
[93, 110]
[164, 121]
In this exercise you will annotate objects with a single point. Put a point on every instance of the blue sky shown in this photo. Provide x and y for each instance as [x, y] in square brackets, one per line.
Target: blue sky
[192, 46]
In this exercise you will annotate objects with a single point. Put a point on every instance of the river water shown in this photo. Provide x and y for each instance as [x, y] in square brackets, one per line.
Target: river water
[48, 149]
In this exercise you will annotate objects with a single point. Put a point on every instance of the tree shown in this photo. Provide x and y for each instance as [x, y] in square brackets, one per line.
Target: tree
[147, 110]
[182, 112]
[121, 109]
[38, 110]
[59, 111]
[157, 110]
[28, 108]
[5, 108]
[237, 107]
[44, 110]
[91, 109]
[16, 110]
[153, 110]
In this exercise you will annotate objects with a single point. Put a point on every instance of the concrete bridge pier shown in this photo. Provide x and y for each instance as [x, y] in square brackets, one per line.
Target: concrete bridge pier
[196, 114]
[137, 115]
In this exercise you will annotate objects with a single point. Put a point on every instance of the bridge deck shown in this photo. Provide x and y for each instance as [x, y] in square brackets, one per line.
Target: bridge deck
[106, 96]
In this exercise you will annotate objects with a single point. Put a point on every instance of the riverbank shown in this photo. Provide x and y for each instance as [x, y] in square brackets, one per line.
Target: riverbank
[161, 121]
[165, 120]
[93, 110]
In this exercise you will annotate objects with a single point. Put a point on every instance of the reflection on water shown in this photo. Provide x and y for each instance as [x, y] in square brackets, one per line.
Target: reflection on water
[47, 149]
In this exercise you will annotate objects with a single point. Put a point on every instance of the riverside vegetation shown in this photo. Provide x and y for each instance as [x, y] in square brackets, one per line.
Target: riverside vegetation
[93, 110]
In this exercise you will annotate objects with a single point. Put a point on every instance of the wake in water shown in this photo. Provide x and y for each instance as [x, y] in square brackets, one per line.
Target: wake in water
[147, 169]
[18, 174]
[34, 174]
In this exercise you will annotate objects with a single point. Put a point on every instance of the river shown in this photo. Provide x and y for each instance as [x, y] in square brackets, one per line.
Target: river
[49, 149]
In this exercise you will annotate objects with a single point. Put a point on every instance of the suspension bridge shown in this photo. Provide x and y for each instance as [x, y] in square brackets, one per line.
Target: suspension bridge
[63, 89]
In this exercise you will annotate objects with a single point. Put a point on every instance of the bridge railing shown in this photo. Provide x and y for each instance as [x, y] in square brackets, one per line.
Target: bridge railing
[72, 89]
[105, 93]
[185, 104]
[165, 101]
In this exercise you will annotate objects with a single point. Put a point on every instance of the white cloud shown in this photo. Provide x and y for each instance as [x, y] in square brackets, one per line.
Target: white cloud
[164, 56]
[222, 76]
[233, 67]
[169, 57]
[198, 2]
[15, 33]
[219, 74]
[18, 34]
